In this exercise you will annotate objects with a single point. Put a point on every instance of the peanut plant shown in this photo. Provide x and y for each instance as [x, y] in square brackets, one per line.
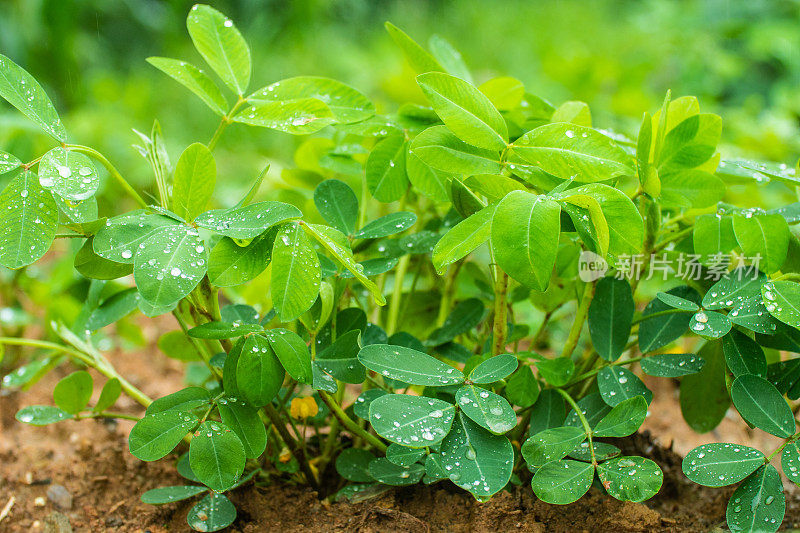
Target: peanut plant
[480, 214]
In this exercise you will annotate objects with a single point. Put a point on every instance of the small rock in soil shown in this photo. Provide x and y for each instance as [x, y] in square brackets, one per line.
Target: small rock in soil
[114, 521]
[60, 496]
[57, 523]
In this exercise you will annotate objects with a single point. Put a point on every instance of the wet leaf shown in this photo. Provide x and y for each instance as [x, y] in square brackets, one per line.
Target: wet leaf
[413, 421]
[721, 464]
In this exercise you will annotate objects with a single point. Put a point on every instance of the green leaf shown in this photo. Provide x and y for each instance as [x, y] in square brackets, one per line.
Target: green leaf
[212, 513]
[593, 407]
[176, 345]
[70, 175]
[193, 182]
[24, 92]
[338, 205]
[345, 103]
[29, 218]
[632, 479]
[522, 389]
[548, 411]
[259, 373]
[243, 420]
[467, 112]
[463, 238]
[710, 325]
[388, 473]
[790, 461]
[672, 365]
[449, 57]
[720, 464]
[556, 371]
[120, 239]
[690, 143]
[494, 369]
[8, 162]
[610, 316]
[743, 355]
[353, 465]
[625, 225]
[108, 395]
[419, 59]
[476, 460]
[602, 452]
[734, 289]
[625, 418]
[336, 243]
[690, 189]
[562, 482]
[569, 151]
[486, 409]
[658, 331]
[42, 415]
[230, 264]
[113, 308]
[387, 225]
[765, 237]
[298, 117]
[618, 384]
[440, 149]
[248, 221]
[758, 504]
[183, 401]
[430, 182]
[408, 366]
[216, 456]
[704, 397]
[551, 445]
[504, 92]
[223, 330]
[155, 435]
[404, 456]
[413, 421]
[677, 302]
[466, 315]
[713, 236]
[525, 233]
[340, 358]
[176, 493]
[386, 169]
[295, 273]
[364, 400]
[782, 300]
[221, 45]
[292, 353]
[72, 393]
[752, 314]
[760, 404]
[169, 264]
[92, 266]
[193, 79]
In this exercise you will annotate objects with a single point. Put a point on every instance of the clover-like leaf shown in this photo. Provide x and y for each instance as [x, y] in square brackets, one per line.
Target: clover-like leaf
[562, 482]
[551, 445]
[758, 504]
[760, 404]
[413, 421]
[633, 479]
[486, 408]
[721, 464]
[408, 365]
[212, 513]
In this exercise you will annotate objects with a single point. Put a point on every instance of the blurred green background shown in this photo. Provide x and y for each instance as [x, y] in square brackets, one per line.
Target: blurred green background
[741, 58]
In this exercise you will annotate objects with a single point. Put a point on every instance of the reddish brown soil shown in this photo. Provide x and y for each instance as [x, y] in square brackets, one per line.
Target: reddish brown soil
[90, 459]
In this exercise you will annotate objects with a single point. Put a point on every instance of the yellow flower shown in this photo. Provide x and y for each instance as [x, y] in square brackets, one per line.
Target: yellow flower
[303, 407]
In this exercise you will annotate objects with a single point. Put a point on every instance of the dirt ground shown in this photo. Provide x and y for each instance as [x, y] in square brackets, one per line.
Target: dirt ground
[90, 460]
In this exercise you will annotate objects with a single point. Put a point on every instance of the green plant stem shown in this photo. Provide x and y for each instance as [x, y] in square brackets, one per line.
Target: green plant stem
[89, 359]
[111, 170]
[397, 294]
[672, 237]
[780, 448]
[348, 422]
[586, 427]
[296, 450]
[580, 318]
[202, 349]
[227, 119]
[500, 327]
[789, 276]
[447, 293]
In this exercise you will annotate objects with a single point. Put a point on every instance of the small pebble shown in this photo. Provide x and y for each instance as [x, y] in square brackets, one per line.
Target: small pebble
[39, 501]
[57, 523]
[60, 496]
